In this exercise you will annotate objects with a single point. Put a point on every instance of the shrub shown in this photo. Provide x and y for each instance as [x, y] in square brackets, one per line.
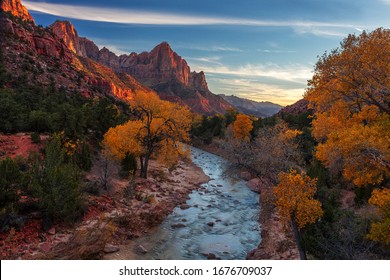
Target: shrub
[56, 184]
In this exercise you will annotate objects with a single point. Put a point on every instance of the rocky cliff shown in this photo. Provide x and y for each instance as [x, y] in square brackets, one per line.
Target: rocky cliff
[66, 31]
[49, 57]
[16, 8]
[161, 69]
[165, 71]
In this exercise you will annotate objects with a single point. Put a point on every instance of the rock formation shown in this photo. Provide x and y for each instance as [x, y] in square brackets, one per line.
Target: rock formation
[66, 31]
[53, 56]
[166, 72]
[16, 8]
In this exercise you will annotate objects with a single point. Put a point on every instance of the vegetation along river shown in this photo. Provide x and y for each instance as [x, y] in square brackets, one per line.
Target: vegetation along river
[222, 219]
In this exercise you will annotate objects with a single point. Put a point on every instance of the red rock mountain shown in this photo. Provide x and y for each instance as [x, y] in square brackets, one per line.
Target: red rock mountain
[42, 58]
[161, 69]
[166, 72]
[16, 8]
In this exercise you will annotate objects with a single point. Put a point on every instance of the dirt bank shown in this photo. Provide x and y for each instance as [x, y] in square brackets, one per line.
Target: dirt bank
[127, 209]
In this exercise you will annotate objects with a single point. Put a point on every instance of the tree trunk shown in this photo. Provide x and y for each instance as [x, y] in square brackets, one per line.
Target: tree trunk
[302, 253]
[144, 166]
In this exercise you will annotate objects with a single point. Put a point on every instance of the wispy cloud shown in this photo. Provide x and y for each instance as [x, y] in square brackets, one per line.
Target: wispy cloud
[296, 73]
[210, 48]
[159, 18]
[275, 51]
[216, 60]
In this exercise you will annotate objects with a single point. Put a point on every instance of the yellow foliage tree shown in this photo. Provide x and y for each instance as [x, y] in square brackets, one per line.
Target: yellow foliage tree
[295, 200]
[380, 231]
[157, 129]
[350, 92]
[242, 127]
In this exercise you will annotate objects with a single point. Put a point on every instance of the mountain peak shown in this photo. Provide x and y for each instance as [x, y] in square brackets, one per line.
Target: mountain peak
[66, 31]
[16, 8]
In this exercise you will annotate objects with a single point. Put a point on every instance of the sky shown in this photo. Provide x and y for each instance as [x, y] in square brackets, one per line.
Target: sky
[257, 49]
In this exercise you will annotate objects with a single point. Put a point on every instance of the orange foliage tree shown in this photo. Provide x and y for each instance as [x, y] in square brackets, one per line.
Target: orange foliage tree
[295, 200]
[350, 93]
[157, 130]
[242, 127]
[380, 230]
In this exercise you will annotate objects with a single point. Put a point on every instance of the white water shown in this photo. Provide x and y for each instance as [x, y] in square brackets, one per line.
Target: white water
[224, 201]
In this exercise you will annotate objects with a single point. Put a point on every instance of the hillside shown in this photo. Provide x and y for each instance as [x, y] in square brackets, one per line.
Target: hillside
[250, 107]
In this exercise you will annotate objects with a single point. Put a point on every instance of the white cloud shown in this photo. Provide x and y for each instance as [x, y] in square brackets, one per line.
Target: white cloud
[208, 59]
[159, 18]
[296, 73]
[275, 51]
[210, 48]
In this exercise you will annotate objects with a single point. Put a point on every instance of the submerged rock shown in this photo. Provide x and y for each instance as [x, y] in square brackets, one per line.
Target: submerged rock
[178, 225]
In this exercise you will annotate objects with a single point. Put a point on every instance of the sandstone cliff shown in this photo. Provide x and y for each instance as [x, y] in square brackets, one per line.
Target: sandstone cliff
[16, 8]
[165, 71]
[50, 57]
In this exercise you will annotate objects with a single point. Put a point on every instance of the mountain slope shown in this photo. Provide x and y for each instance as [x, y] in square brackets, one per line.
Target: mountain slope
[250, 107]
[41, 58]
[16, 8]
[161, 69]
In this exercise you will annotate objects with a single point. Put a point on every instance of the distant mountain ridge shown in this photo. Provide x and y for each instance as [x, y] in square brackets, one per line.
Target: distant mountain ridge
[250, 107]
[161, 69]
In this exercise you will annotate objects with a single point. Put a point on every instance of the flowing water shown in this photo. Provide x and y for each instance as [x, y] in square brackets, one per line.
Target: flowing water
[222, 219]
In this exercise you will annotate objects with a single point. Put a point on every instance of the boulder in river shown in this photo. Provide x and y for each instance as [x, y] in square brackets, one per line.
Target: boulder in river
[142, 249]
[184, 206]
[178, 225]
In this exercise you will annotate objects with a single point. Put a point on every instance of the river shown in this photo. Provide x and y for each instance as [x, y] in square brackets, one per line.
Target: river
[222, 219]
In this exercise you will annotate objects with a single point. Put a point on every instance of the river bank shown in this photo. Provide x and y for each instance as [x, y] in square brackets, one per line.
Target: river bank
[218, 221]
[127, 209]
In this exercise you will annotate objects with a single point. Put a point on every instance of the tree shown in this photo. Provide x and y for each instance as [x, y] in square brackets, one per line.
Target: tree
[273, 150]
[159, 124]
[350, 92]
[242, 127]
[10, 180]
[56, 183]
[295, 201]
[380, 231]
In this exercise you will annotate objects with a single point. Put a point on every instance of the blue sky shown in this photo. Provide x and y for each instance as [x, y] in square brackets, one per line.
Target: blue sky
[258, 49]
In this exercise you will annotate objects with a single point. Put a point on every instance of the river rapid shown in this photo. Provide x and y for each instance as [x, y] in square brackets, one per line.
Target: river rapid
[221, 221]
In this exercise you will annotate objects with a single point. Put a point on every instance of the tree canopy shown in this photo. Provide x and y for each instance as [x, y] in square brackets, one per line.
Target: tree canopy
[350, 94]
[158, 127]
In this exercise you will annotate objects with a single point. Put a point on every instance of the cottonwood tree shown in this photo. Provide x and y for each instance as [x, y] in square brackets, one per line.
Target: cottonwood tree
[242, 128]
[350, 93]
[296, 204]
[272, 151]
[158, 128]
[381, 229]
